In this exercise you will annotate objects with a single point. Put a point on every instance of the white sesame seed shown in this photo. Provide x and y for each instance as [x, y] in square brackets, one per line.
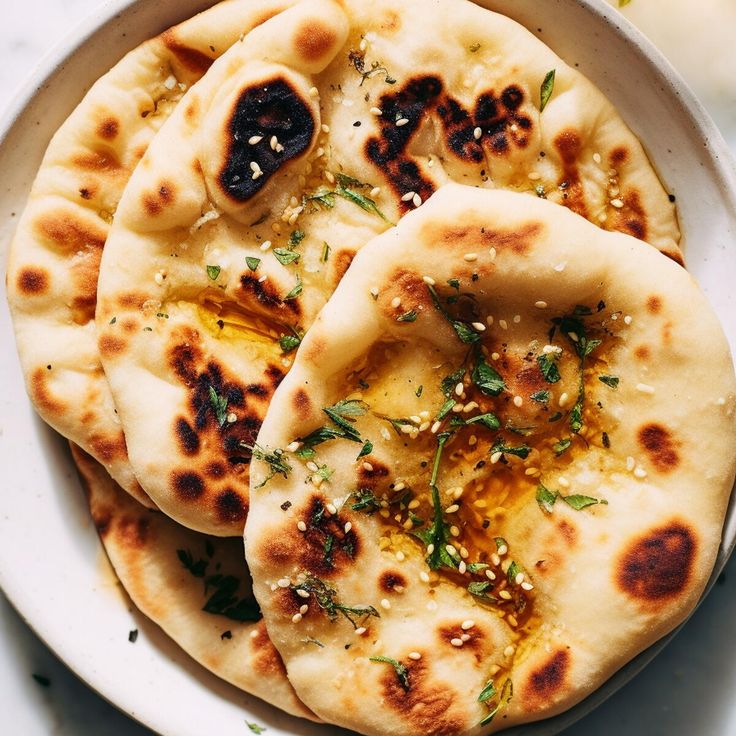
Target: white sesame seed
[509, 651]
[348, 526]
[375, 192]
[406, 197]
[470, 406]
[518, 401]
[313, 92]
[564, 482]
[303, 609]
[495, 355]
[477, 133]
[407, 429]
[512, 620]
[454, 531]
[293, 446]
[265, 245]
[547, 349]
[159, 278]
[325, 128]
[505, 595]
[645, 388]
[573, 336]
[283, 583]
[534, 176]
[360, 630]
[367, 466]
[490, 574]
[496, 457]
[628, 319]
[479, 326]
[519, 579]
[399, 486]
[254, 166]
[255, 139]
[400, 556]
[527, 586]
[401, 122]
[301, 526]
[495, 559]
[492, 254]
[316, 480]
[563, 399]
[263, 278]
[273, 142]
[456, 642]
[639, 472]
[470, 257]
[502, 550]
[560, 267]
[414, 655]
[374, 292]
[503, 324]
[424, 576]
[464, 637]
[396, 302]
[517, 319]
[416, 200]
[254, 634]
[428, 280]
[597, 157]
[386, 604]
[376, 111]
[311, 465]
[330, 177]
[363, 44]
[459, 388]
[331, 508]
[430, 548]
[232, 417]
[531, 471]
[436, 427]
[302, 593]
[540, 304]
[466, 625]
[617, 203]
[630, 463]
[452, 509]
[489, 320]
[462, 567]
[451, 550]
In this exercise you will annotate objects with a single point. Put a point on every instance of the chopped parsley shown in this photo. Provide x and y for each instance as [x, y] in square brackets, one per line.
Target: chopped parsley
[296, 238]
[611, 381]
[255, 728]
[345, 188]
[402, 672]
[486, 377]
[480, 590]
[418, 392]
[289, 342]
[561, 446]
[325, 252]
[367, 449]
[219, 405]
[548, 365]
[546, 89]
[546, 499]
[213, 272]
[521, 451]
[358, 61]
[487, 420]
[462, 330]
[365, 501]
[252, 263]
[507, 692]
[327, 601]
[342, 414]
[541, 397]
[410, 316]
[285, 256]
[296, 290]
[275, 459]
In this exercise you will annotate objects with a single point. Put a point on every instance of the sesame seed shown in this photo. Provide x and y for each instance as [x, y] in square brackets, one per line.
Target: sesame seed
[399, 486]
[462, 567]
[386, 604]
[540, 304]
[519, 579]
[376, 111]
[454, 531]
[527, 586]
[645, 388]
[367, 466]
[274, 142]
[490, 574]
[505, 595]
[517, 319]
[459, 388]
[503, 324]
[331, 508]
[479, 326]
[489, 320]
[430, 548]
[470, 257]
[465, 637]
[414, 655]
[573, 336]
[617, 203]
[374, 292]
[512, 620]
[564, 482]
[464, 553]
[311, 465]
[313, 92]
[385, 434]
[303, 609]
[360, 630]
[400, 556]
[509, 651]
[325, 128]
[472, 440]
[424, 576]
[563, 399]
[465, 625]
[254, 634]
[293, 446]
[265, 245]
[495, 356]
[560, 267]
[416, 200]
[263, 278]
[414, 504]
[348, 526]
[436, 427]
[363, 44]
[531, 471]
[492, 254]
[630, 463]
[255, 139]
[406, 197]
[502, 550]
[470, 406]
[477, 133]
[456, 642]
[495, 559]
[628, 319]
[254, 166]
[407, 429]
[597, 157]
[451, 550]
[401, 122]
[534, 176]
[283, 583]
[518, 401]
[396, 302]
[457, 408]
[547, 349]
[375, 192]
[232, 417]
[452, 509]
[330, 177]
[639, 472]
[301, 526]
[496, 457]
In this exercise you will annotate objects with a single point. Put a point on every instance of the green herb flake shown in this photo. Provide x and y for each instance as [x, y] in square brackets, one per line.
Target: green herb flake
[276, 460]
[476, 567]
[488, 692]
[611, 381]
[311, 640]
[296, 290]
[219, 405]
[213, 272]
[402, 671]
[521, 451]
[410, 316]
[462, 330]
[507, 692]
[548, 366]
[541, 397]
[296, 238]
[289, 342]
[486, 377]
[365, 501]
[255, 728]
[579, 502]
[454, 283]
[546, 90]
[113, 320]
[546, 498]
[561, 446]
[487, 420]
[325, 252]
[285, 256]
[480, 590]
[367, 449]
[252, 263]
[623, 3]
[418, 392]
[326, 598]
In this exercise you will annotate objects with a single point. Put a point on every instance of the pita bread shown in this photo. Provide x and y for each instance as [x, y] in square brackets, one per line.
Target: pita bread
[196, 588]
[55, 254]
[545, 482]
[253, 199]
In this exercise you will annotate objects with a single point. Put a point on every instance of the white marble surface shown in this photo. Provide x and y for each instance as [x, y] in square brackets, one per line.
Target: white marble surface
[687, 690]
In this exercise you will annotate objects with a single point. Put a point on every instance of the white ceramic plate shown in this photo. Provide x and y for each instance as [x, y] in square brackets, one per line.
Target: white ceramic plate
[51, 565]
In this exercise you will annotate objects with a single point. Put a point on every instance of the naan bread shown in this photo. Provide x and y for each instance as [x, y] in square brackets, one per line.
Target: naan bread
[55, 254]
[254, 197]
[549, 411]
[173, 575]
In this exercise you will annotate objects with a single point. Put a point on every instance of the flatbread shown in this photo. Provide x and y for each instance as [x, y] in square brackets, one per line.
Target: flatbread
[591, 478]
[55, 254]
[196, 588]
[276, 169]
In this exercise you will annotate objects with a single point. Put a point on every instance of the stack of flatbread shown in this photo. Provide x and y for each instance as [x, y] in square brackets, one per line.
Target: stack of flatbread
[396, 293]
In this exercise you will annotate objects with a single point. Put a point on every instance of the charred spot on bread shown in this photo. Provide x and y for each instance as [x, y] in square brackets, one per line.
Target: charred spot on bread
[163, 197]
[314, 39]
[392, 581]
[33, 280]
[660, 446]
[190, 58]
[267, 109]
[187, 485]
[187, 438]
[546, 683]
[230, 506]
